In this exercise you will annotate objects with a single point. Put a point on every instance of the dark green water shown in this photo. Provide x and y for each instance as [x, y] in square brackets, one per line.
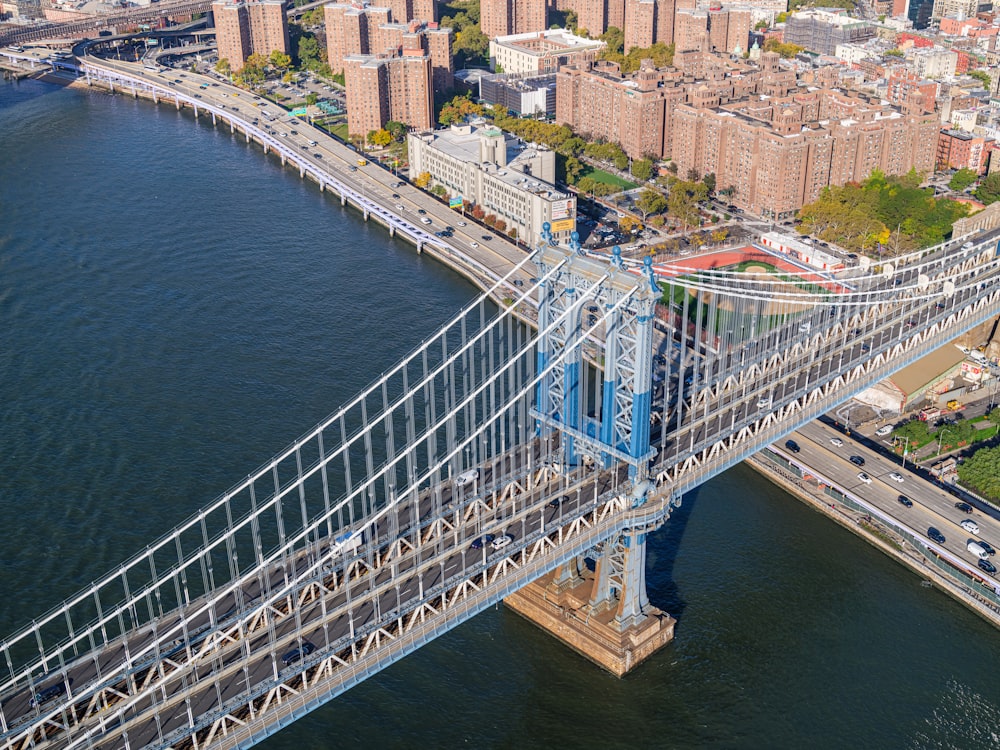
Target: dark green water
[175, 308]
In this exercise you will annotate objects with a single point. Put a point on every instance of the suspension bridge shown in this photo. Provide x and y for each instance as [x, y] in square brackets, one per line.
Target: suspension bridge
[492, 455]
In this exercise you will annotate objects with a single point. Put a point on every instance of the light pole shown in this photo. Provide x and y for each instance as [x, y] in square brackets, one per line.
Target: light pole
[941, 433]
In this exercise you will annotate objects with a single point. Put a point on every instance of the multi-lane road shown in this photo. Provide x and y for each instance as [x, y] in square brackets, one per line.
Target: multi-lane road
[828, 452]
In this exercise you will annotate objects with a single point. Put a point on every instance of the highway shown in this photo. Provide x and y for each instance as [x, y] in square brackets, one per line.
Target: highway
[932, 506]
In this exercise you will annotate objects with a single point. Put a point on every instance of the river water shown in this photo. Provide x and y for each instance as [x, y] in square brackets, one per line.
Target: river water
[175, 307]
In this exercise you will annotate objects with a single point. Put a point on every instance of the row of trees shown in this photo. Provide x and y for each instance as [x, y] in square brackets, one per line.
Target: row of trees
[469, 43]
[882, 214]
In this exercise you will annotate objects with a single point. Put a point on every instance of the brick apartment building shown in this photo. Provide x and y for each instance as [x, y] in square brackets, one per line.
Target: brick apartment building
[775, 143]
[381, 88]
[246, 27]
[506, 17]
[648, 22]
[362, 29]
[904, 85]
[960, 150]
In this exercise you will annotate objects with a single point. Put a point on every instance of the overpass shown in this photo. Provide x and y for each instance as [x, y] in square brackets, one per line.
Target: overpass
[370, 535]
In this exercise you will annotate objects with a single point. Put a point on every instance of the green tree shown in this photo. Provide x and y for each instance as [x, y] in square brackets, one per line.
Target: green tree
[223, 66]
[309, 51]
[962, 179]
[573, 169]
[650, 202]
[981, 472]
[615, 39]
[783, 49]
[397, 130]
[915, 431]
[311, 99]
[709, 181]
[458, 109]
[279, 60]
[983, 77]
[989, 188]
[470, 43]
[682, 203]
[642, 169]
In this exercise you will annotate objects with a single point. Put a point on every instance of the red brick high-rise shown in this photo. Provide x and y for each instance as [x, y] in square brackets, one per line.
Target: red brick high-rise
[383, 88]
[506, 17]
[246, 27]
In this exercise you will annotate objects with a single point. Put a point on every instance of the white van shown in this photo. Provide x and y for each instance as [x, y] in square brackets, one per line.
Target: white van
[978, 550]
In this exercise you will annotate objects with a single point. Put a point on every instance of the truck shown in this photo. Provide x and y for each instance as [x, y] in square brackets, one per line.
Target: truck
[345, 543]
[929, 415]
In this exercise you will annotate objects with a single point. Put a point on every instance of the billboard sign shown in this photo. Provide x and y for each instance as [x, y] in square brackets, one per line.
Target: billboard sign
[560, 209]
[564, 225]
[455, 202]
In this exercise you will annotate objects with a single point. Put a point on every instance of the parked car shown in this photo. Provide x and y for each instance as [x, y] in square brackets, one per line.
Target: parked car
[884, 430]
[297, 654]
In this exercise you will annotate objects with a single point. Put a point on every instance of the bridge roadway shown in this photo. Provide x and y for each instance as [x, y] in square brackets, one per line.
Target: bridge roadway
[335, 620]
[98, 23]
[273, 126]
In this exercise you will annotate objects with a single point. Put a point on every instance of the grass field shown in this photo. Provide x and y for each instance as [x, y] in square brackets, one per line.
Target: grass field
[599, 175]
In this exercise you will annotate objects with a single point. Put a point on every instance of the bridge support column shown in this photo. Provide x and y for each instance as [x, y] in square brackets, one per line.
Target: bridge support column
[214, 120]
[343, 198]
[392, 230]
[603, 615]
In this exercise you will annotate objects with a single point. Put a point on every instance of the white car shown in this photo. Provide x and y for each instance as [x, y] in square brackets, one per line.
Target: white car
[462, 224]
[474, 244]
[502, 541]
[764, 403]
[969, 525]
[884, 430]
[836, 442]
[896, 477]
[865, 478]
[466, 477]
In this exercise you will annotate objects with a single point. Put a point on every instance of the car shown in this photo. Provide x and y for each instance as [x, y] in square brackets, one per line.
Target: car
[47, 694]
[462, 224]
[971, 526]
[884, 430]
[857, 461]
[353, 168]
[836, 442]
[935, 536]
[466, 477]
[864, 478]
[298, 654]
[987, 566]
[400, 207]
[421, 211]
[964, 507]
[400, 184]
[318, 155]
[905, 501]
[553, 503]
[896, 477]
[473, 245]
[487, 237]
[518, 282]
[988, 547]
[502, 541]
[480, 542]
[396, 196]
[764, 402]
[792, 446]
[866, 347]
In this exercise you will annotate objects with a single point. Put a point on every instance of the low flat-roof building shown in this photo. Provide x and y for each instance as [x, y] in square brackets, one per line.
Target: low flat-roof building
[499, 173]
[541, 51]
[523, 94]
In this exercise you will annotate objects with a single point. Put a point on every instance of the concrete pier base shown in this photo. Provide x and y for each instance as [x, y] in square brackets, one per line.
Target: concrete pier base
[567, 615]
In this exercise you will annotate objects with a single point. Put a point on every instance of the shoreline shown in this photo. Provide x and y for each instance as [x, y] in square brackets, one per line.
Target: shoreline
[479, 278]
[877, 535]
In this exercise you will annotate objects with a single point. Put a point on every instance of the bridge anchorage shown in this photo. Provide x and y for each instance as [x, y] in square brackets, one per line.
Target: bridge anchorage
[603, 614]
[492, 463]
